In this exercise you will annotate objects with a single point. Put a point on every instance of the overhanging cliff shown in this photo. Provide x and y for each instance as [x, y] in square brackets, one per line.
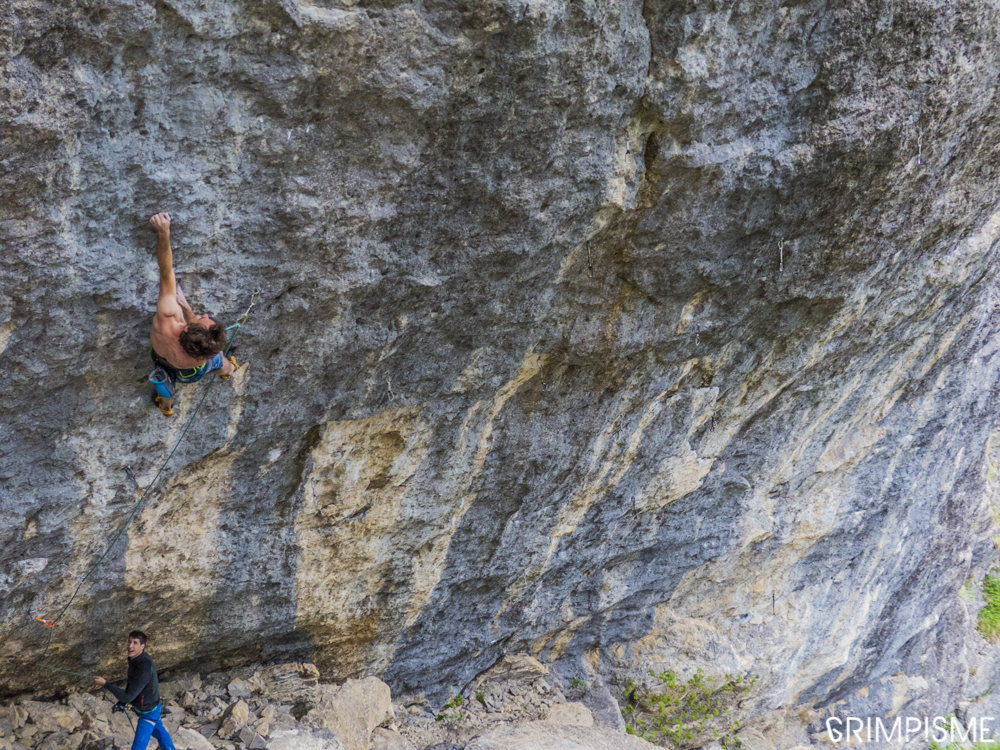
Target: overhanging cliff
[632, 335]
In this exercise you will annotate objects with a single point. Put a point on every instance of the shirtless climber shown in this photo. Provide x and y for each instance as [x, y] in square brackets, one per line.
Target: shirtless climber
[185, 347]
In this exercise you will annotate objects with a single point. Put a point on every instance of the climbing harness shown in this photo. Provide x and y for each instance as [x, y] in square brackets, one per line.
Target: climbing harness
[144, 495]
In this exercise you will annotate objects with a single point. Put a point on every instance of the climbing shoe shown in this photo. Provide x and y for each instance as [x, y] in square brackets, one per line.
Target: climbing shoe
[226, 377]
[164, 410]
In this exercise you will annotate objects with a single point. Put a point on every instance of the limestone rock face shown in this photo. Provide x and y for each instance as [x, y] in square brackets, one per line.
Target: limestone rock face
[540, 734]
[291, 682]
[573, 714]
[185, 737]
[513, 672]
[303, 739]
[353, 710]
[383, 739]
[604, 708]
[631, 335]
[50, 718]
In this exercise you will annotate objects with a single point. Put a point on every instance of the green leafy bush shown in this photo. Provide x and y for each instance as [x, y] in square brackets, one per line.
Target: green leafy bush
[989, 616]
[685, 713]
[447, 715]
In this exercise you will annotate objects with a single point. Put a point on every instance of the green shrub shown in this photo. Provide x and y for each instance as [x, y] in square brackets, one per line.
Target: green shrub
[989, 616]
[446, 715]
[685, 713]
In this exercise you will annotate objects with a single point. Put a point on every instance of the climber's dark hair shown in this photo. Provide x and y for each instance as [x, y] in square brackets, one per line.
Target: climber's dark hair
[138, 635]
[201, 342]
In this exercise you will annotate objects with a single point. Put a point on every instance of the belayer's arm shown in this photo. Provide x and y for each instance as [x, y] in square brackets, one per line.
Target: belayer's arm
[136, 683]
[115, 691]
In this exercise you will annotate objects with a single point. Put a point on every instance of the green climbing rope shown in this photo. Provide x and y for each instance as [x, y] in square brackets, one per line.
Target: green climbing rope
[53, 669]
[144, 494]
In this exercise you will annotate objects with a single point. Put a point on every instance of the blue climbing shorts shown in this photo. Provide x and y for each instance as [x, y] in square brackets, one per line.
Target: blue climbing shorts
[165, 376]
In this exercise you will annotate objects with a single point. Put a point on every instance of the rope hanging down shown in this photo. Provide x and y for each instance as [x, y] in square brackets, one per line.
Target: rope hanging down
[144, 494]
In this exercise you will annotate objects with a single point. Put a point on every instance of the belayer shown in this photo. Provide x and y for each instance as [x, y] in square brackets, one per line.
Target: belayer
[142, 691]
[185, 347]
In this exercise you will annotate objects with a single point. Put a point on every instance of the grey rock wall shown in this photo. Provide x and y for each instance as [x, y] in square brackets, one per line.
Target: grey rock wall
[754, 436]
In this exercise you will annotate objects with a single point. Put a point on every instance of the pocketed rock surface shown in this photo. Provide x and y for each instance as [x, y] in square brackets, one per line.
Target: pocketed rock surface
[635, 336]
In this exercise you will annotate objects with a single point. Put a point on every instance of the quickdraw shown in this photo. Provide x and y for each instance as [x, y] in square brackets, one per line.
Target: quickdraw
[243, 318]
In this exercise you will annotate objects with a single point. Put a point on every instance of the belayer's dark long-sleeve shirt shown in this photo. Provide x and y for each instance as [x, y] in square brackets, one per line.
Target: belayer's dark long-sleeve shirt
[143, 688]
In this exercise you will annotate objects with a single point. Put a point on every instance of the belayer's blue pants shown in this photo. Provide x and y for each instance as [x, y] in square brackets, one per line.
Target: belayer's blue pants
[149, 725]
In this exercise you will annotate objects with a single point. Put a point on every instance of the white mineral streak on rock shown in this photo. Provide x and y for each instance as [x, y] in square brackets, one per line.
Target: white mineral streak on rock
[180, 528]
[5, 331]
[604, 474]
[353, 497]
[30, 567]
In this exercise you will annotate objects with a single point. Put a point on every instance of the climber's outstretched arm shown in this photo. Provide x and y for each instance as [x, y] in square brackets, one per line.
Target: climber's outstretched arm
[166, 306]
